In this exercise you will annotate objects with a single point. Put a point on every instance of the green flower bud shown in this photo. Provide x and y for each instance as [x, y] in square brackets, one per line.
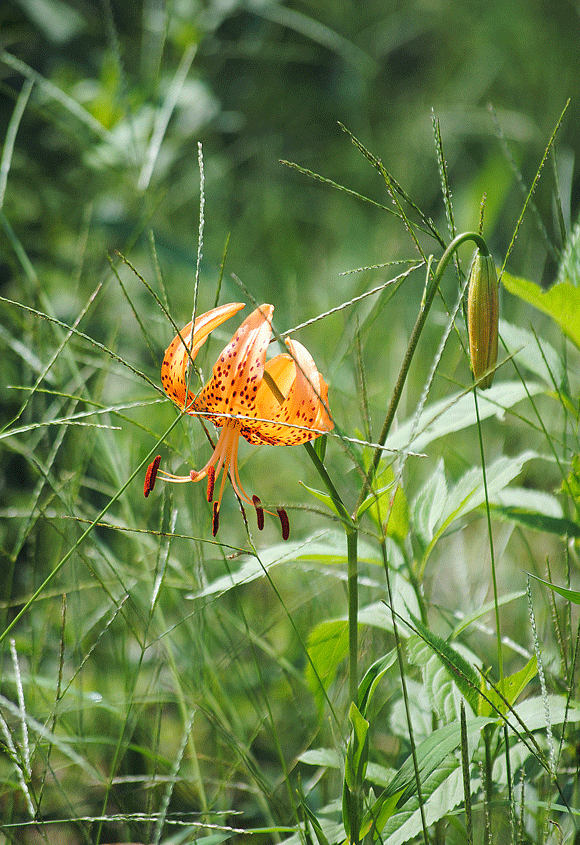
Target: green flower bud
[482, 318]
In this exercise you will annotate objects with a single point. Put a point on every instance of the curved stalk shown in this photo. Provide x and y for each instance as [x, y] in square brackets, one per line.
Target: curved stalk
[432, 288]
[350, 521]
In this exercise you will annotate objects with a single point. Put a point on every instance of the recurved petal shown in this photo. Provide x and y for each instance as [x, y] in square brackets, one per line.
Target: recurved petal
[238, 370]
[305, 394]
[176, 359]
[309, 395]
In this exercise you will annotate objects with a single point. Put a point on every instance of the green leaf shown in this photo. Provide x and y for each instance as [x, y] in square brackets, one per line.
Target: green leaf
[310, 818]
[536, 354]
[322, 497]
[371, 679]
[457, 412]
[532, 711]
[430, 754]
[534, 509]
[327, 648]
[483, 610]
[329, 758]
[561, 302]
[560, 526]
[387, 505]
[463, 674]
[380, 813]
[571, 595]
[324, 547]
[571, 486]
[357, 752]
[469, 492]
[429, 504]
[507, 690]
[440, 795]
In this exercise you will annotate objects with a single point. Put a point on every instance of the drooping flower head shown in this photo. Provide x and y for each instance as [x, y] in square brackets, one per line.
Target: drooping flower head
[283, 401]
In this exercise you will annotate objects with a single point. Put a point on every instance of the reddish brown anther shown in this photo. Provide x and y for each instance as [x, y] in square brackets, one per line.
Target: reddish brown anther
[215, 522]
[210, 482]
[151, 475]
[259, 511]
[284, 522]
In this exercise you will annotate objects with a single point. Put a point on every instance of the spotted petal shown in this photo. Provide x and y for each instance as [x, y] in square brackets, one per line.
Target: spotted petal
[238, 371]
[304, 395]
[177, 359]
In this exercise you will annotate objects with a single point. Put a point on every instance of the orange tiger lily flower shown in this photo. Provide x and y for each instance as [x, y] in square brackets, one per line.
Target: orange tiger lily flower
[282, 401]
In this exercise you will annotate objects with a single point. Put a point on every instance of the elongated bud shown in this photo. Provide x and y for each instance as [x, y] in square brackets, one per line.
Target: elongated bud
[482, 318]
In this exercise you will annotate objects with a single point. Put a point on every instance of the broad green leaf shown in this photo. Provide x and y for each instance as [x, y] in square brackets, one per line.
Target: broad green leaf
[381, 811]
[430, 755]
[387, 505]
[355, 766]
[469, 492]
[561, 302]
[57, 20]
[561, 526]
[532, 711]
[441, 795]
[442, 694]
[571, 485]
[507, 690]
[323, 547]
[483, 610]
[457, 412]
[430, 503]
[571, 595]
[533, 509]
[372, 677]
[327, 648]
[379, 615]
[461, 671]
[535, 353]
[529, 500]
[328, 758]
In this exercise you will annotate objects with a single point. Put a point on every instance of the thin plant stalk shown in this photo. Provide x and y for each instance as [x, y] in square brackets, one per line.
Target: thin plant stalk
[350, 522]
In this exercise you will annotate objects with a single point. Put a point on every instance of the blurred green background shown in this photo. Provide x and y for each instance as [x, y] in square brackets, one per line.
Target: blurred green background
[264, 81]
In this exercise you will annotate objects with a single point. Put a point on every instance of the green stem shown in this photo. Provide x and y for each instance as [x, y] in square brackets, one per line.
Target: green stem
[352, 550]
[432, 288]
[350, 528]
[349, 521]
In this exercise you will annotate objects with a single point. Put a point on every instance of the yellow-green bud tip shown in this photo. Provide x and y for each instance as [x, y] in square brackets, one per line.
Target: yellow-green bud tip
[482, 318]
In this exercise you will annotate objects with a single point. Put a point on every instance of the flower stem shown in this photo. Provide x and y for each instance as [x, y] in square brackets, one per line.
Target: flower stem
[430, 292]
[352, 551]
[350, 521]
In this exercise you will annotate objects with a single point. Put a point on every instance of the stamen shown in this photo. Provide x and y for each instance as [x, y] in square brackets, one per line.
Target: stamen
[151, 475]
[284, 522]
[210, 482]
[259, 511]
[215, 523]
